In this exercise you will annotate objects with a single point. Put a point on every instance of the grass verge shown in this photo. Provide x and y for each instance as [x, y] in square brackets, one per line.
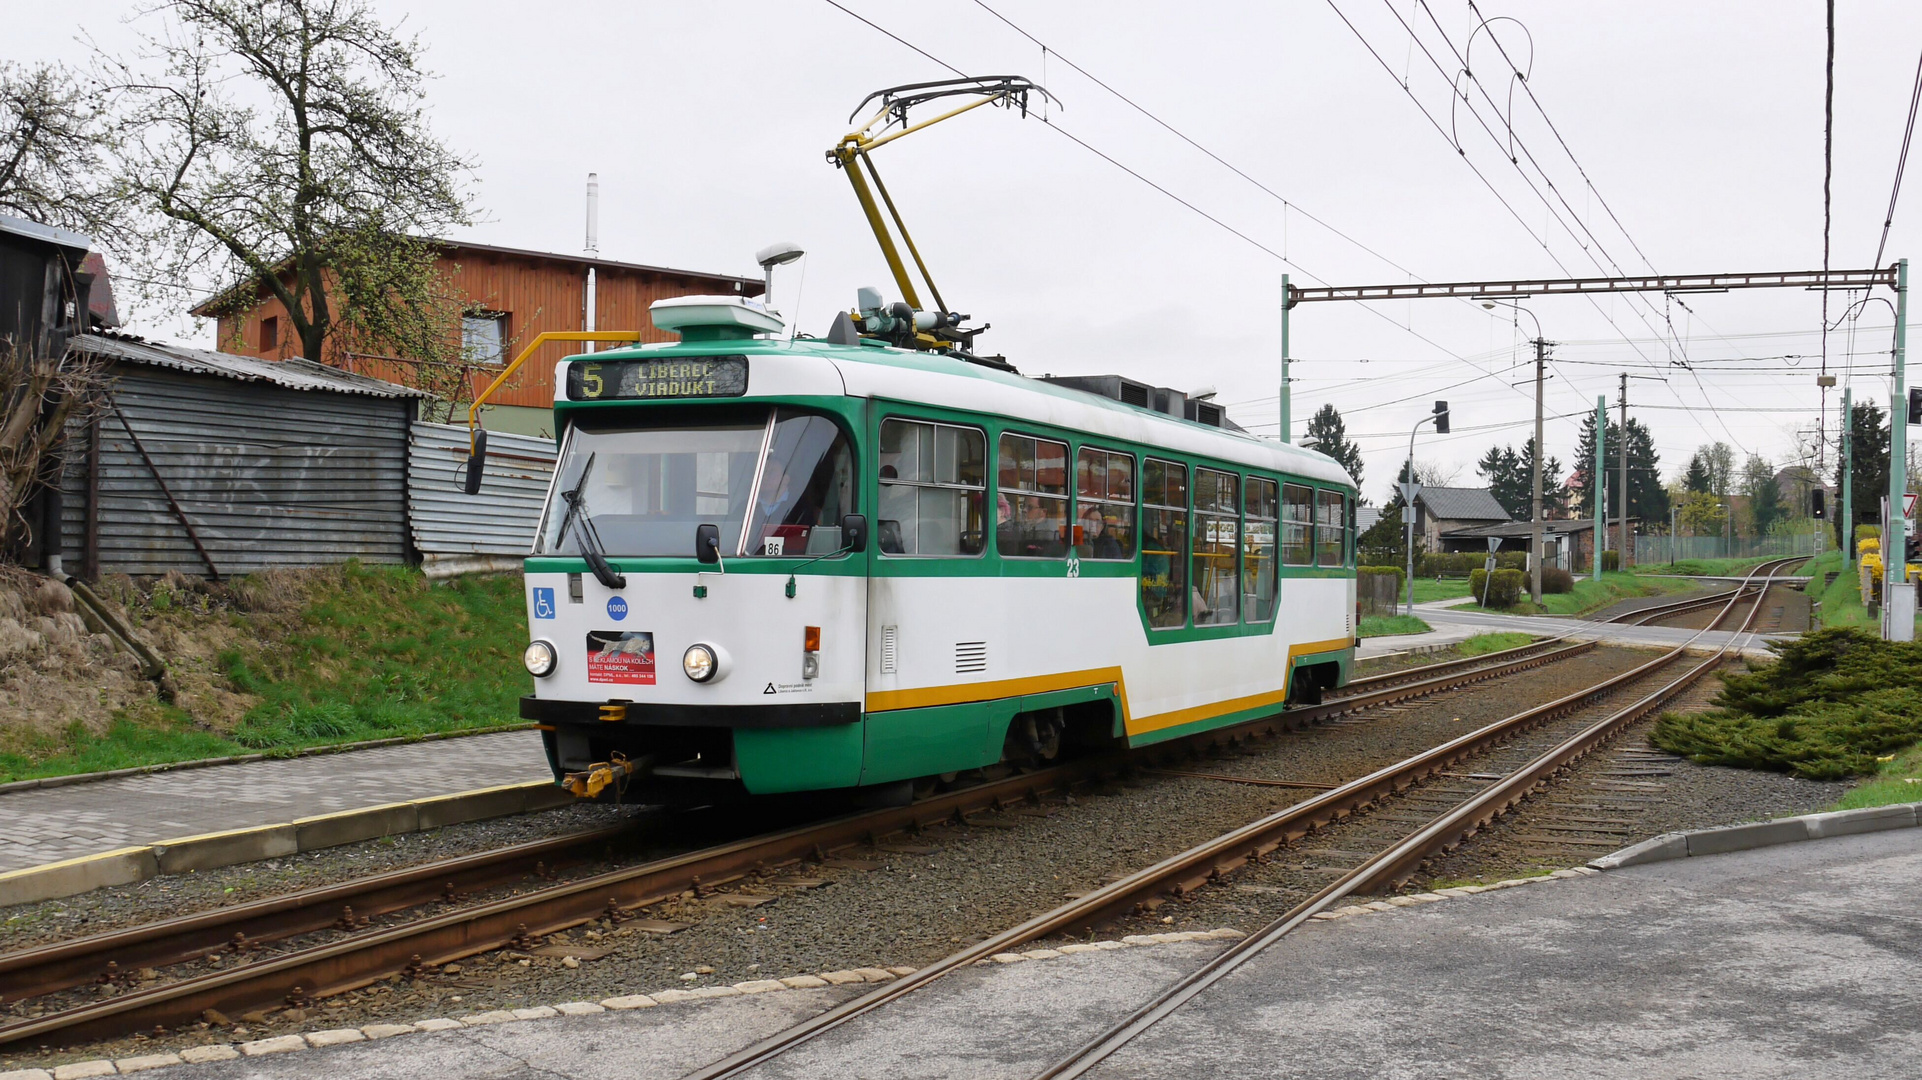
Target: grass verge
[1897, 780]
[1842, 601]
[1834, 704]
[1591, 595]
[374, 653]
[1482, 644]
[1390, 625]
[1700, 567]
[1427, 589]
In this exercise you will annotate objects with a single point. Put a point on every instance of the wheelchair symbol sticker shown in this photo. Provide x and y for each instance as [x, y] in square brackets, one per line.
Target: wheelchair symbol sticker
[543, 603]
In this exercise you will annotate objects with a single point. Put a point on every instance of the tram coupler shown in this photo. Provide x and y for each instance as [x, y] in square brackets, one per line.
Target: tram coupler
[591, 781]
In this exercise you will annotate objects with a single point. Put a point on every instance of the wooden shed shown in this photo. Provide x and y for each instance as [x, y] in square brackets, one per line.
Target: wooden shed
[512, 295]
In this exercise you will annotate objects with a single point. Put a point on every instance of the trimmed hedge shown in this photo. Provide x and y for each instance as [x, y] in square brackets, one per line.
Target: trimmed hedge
[1611, 560]
[1503, 591]
[1462, 562]
[1557, 580]
[1382, 571]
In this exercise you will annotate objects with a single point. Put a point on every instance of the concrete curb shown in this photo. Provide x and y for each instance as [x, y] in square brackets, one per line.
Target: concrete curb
[123, 866]
[243, 759]
[1789, 830]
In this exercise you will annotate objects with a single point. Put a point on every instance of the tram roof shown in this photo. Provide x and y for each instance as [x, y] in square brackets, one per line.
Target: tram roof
[871, 371]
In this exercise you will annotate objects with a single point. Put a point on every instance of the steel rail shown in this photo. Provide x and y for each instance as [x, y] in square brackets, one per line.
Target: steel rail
[1394, 678]
[1188, 870]
[365, 957]
[1401, 859]
[48, 969]
[1642, 616]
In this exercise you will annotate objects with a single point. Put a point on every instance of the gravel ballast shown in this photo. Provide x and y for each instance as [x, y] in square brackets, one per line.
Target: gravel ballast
[918, 899]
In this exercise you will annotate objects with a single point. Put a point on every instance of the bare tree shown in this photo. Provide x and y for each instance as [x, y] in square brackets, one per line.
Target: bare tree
[38, 394]
[52, 134]
[283, 143]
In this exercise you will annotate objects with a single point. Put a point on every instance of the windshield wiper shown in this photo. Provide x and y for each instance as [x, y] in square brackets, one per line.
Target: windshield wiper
[587, 536]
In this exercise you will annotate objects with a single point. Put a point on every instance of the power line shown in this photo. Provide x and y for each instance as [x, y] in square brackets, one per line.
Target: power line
[1901, 161]
[1530, 91]
[1183, 136]
[1163, 190]
[1828, 175]
[898, 38]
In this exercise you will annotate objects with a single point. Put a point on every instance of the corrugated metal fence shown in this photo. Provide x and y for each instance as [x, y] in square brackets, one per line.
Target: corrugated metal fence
[263, 484]
[458, 533]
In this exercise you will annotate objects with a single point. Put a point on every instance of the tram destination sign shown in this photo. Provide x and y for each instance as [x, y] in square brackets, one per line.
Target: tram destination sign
[653, 380]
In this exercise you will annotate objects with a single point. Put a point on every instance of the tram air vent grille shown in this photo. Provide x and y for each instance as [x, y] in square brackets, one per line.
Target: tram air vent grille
[888, 650]
[970, 656]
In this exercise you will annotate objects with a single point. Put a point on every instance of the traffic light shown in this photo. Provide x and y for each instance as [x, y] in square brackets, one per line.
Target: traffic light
[1915, 405]
[1818, 505]
[1441, 415]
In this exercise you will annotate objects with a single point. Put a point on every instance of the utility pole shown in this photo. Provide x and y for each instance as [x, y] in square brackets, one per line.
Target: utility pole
[1848, 500]
[1598, 475]
[1535, 461]
[1627, 546]
[1287, 428]
[1898, 617]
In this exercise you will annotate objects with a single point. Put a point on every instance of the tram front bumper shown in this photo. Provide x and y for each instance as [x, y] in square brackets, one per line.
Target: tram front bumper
[748, 717]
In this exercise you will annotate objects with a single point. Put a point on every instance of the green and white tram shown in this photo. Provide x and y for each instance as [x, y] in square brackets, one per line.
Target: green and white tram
[879, 560]
[777, 566]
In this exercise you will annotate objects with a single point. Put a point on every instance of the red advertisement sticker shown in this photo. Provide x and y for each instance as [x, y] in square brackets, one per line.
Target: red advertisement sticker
[620, 656]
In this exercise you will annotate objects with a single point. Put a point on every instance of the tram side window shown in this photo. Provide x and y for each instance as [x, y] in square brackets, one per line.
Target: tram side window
[1217, 540]
[1297, 525]
[1258, 549]
[1164, 531]
[1328, 528]
[1032, 508]
[933, 489]
[1104, 504]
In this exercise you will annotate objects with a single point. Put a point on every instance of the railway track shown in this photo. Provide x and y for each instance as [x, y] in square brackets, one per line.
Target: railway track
[1572, 726]
[324, 941]
[1656, 613]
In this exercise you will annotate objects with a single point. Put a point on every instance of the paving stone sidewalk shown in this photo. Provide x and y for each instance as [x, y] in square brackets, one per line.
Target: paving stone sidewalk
[44, 825]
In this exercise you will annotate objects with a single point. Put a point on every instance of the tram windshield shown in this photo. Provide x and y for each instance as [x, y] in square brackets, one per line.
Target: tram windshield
[776, 482]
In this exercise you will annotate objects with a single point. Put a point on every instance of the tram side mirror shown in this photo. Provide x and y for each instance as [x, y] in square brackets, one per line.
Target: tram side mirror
[854, 532]
[707, 543]
[476, 462]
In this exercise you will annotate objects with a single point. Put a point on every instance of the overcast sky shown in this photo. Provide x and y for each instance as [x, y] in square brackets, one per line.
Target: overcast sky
[1699, 126]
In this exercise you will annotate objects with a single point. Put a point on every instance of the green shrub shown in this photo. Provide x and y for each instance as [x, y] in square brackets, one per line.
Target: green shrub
[1611, 560]
[1463, 562]
[1557, 580]
[1831, 703]
[1503, 590]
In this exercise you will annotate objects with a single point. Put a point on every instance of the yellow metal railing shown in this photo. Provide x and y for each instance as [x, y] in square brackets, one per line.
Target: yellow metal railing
[473, 411]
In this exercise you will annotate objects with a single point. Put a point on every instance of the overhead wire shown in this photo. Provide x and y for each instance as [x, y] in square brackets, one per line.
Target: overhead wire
[1708, 400]
[1283, 257]
[1901, 162]
[1828, 177]
[1055, 126]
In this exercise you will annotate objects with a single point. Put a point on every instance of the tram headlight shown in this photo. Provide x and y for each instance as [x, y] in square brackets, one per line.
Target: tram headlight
[700, 663]
[540, 659]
